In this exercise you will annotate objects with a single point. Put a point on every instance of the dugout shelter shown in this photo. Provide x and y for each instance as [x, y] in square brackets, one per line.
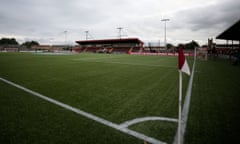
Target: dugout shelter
[232, 34]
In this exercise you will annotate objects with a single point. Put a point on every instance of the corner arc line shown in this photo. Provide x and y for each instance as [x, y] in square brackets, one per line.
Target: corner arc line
[150, 118]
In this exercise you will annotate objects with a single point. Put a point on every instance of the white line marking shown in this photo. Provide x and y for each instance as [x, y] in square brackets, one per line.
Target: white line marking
[87, 115]
[186, 107]
[138, 120]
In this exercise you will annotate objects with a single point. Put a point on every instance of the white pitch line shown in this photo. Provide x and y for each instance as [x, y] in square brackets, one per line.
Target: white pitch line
[87, 115]
[138, 120]
[186, 107]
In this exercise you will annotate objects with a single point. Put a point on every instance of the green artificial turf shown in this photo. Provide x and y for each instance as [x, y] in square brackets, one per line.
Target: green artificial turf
[114, 87]
[214, 113]
[117, 88]
[26, 119]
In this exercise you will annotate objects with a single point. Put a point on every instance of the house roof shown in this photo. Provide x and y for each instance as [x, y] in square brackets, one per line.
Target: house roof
[110, 41]
[232, 33]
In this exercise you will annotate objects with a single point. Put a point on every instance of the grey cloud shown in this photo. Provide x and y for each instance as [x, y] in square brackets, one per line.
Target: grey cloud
[46, 15]
[217, 16]
[46, 19]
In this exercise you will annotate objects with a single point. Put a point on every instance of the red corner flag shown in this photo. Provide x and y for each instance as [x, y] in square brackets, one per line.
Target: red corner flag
[182, 62]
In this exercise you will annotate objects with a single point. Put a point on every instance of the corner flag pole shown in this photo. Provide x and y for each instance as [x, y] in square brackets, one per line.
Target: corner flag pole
[182, 67]
[180, 107]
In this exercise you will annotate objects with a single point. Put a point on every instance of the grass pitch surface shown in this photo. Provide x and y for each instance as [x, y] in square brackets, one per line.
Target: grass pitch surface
[117, 88]
[114, 87]
[214, 113]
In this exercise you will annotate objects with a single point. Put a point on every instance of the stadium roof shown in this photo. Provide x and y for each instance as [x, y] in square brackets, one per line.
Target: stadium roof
[232, 33]
[110, 41]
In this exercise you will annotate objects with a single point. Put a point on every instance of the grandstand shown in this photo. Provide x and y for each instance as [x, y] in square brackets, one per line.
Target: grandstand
[123, 45]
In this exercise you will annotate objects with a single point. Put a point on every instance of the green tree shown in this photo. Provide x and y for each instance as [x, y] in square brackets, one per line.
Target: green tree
[169, 46]
[29, 44]
[8, 41]
[191, 45]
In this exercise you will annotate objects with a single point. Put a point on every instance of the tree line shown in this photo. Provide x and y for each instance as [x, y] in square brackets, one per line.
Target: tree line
[190, 45]
[29, 44]
[13, 41]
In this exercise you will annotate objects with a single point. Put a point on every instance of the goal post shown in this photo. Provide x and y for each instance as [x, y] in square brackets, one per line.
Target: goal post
[202, 54]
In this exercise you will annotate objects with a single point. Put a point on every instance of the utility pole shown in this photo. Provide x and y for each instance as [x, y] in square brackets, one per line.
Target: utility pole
[120, 32]
[165, 27]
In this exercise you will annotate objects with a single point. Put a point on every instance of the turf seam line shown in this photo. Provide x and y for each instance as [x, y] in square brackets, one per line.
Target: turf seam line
[87, 115]
[135, 64]
[98, 58]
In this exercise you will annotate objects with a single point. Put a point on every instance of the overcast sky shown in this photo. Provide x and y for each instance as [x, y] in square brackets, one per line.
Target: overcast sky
[46, 20]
